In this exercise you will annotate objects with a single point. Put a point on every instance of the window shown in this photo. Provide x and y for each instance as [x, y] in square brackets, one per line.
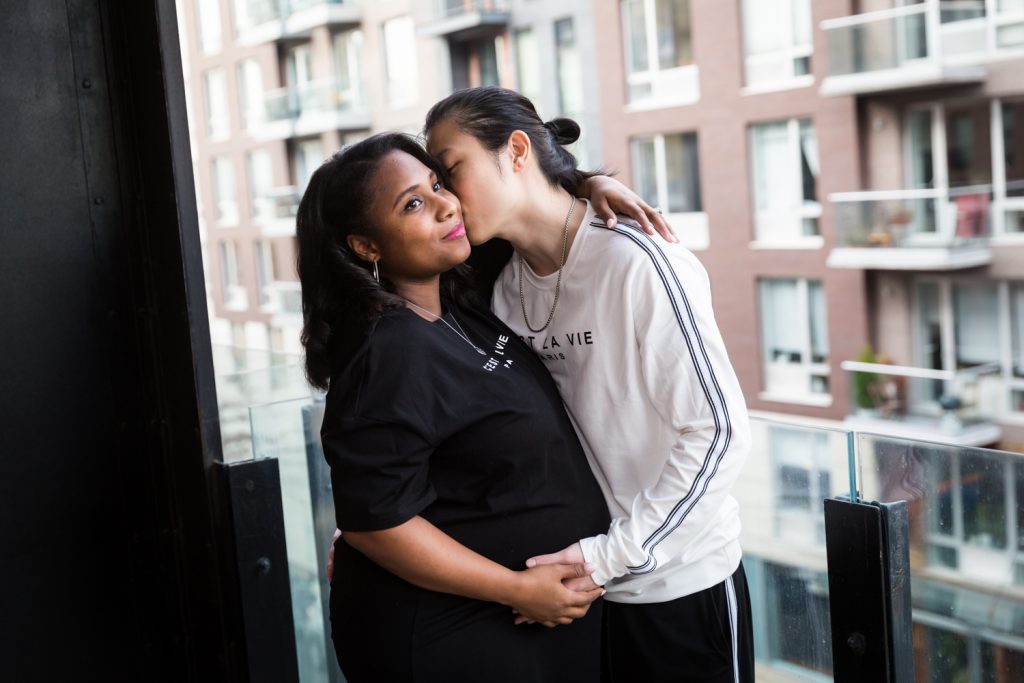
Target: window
[659, 52]
[784, 162]
[261, 183]
[1009, 24]
[299, 67]
[528, 66]
[348, 59]
[1017, 332]
[976, 324]
[487, 56]
[250, 92]
[233, 294]
[264, 271]
[777, 41]
[570, 75]
[225, 200]
[794, 333]
[667, 172]
[968, 146]
[250, 13]
[400, 62]
[974, 329]
[216, 96]
[309, 154]
[208, 15]
[1011, 189]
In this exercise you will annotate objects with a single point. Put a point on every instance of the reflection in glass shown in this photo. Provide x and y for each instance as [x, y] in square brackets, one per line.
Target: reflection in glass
[984, 501]
[944, 659]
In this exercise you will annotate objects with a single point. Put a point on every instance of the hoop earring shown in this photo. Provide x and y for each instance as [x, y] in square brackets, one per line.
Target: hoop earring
[376, 272]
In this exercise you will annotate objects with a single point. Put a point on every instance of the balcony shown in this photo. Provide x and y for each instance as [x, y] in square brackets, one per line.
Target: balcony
[275, 209]
[461, 20]
[912, 229]
[311, 108]
[924, 404]
[264, 21]
[916, 46]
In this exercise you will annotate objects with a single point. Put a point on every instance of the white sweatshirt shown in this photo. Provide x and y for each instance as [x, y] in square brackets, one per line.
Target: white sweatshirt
[640, 363]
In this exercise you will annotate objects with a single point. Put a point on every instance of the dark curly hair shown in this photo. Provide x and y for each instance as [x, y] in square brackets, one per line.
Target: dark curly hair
[340, 297]
[490, 114]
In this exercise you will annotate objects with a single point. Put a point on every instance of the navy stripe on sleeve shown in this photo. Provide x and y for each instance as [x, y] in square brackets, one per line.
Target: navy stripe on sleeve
[709, 384]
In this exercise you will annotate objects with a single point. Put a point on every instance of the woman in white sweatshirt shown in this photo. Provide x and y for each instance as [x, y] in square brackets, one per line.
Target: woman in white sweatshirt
[624, 323]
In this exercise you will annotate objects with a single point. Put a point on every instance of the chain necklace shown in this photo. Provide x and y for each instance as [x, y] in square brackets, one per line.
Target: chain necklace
[461, 333]
[558, 282]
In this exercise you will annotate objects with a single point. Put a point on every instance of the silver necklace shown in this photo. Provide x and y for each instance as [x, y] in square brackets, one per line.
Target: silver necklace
[461, 333]
[558, 282]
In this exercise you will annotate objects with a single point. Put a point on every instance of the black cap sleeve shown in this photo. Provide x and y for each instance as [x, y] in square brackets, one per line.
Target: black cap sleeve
[379, 472]
[378, 430]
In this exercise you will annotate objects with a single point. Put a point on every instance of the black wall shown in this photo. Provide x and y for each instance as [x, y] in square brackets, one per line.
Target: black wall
[110, 567]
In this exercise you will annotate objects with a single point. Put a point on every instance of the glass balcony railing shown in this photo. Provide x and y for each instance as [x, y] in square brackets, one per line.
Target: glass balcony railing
[316, 97]
[453, 8]
[926, 43]
[966, 536]
[260, 21]
[956, 406]
[966, 553]
[467, 19]
[954, 225]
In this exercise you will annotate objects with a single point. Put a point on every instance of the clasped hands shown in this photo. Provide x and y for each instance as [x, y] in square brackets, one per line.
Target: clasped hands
[566, 602]
[553, 590]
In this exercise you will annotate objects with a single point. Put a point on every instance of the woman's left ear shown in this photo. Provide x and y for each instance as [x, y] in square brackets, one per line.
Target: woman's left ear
[519, 149]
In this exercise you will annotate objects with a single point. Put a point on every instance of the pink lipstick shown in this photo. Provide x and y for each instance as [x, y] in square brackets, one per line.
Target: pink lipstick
[457, 232]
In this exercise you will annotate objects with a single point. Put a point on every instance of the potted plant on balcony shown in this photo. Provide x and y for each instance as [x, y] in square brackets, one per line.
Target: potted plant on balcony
[865, 386]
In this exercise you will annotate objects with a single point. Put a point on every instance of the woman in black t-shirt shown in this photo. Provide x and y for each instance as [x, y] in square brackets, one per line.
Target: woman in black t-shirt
[452, 458]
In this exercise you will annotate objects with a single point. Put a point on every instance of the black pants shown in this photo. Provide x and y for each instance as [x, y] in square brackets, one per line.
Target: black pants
[706, 637]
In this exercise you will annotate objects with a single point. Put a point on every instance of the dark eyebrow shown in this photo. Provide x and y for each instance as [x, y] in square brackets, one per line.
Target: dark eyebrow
[433, 176]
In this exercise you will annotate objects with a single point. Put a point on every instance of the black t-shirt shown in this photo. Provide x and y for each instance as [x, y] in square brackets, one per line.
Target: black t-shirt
[418, 422]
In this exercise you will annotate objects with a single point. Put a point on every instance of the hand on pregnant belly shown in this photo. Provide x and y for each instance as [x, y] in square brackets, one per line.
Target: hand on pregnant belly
[542, 597]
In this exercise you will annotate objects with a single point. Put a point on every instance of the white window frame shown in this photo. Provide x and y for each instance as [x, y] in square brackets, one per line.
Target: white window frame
[1004, 411]
[263, 255]
[261, 208]
[1000, 204]
[691, 226]
[218, 123]
[669, 87]
[225, 207]
[788, 55]
[352, 43]
[401, 80]
[765, 235]
[234, 295]
[210, 34]
[251, 103]
[528, 59]
[806, 368]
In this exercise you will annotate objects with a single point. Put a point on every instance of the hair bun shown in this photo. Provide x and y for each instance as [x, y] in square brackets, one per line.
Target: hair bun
[564, 131]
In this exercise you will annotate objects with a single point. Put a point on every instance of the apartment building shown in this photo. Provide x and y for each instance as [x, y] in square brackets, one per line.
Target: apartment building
[850, 173]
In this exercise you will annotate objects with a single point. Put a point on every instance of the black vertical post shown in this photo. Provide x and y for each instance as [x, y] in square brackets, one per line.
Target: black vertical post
[869, 591]
[250, 495]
